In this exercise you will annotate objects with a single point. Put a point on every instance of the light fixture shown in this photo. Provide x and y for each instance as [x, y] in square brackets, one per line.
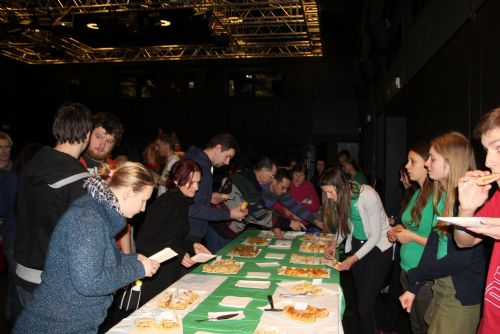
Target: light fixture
[165, 23]
[93, 26]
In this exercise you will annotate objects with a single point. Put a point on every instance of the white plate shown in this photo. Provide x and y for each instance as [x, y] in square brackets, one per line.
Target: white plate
[464, 221]
[253, 284]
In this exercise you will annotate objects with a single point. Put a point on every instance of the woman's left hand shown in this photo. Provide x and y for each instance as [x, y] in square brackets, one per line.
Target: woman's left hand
[186, 261]
[199, 248]
[348, 263]
[404, 236]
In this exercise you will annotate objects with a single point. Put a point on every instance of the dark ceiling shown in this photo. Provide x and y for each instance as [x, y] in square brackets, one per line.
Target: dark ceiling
[57, 31]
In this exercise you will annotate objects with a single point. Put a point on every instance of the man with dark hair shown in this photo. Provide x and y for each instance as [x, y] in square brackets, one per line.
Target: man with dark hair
[5, 147]
[165, 145]
[219, 151]
[226, 142]
[244, 187]
[106, 134]
[48, 184]
[278, 199]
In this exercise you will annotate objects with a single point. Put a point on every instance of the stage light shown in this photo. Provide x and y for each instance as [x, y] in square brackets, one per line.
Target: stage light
[93, 26]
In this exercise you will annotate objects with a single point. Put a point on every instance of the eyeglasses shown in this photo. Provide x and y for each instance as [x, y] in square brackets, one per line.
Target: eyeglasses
[273, 177]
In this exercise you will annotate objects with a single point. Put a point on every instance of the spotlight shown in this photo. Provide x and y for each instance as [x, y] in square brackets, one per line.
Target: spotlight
[93, 26]
[165, 23]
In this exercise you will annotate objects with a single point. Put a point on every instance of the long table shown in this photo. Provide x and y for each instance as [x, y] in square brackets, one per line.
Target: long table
[218, 286]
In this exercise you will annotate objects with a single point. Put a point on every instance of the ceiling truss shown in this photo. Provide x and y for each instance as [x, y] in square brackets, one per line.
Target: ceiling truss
[254, 28]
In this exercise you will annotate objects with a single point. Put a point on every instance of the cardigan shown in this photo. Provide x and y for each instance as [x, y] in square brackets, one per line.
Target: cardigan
[375, 223]
[82, 269]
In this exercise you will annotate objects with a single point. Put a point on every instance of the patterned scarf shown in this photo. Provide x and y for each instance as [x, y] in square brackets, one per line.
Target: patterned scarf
[98, 189]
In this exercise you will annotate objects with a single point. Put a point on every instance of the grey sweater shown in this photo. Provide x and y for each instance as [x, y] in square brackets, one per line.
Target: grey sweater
[82, 269]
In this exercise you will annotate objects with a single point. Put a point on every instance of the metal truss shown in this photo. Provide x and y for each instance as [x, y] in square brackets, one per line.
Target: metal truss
[254, 29]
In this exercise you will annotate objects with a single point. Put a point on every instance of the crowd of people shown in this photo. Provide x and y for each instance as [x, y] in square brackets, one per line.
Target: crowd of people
[72, 244]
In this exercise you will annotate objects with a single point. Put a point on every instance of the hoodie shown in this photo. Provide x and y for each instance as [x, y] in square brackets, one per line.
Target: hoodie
[39, 207]
[200, 213]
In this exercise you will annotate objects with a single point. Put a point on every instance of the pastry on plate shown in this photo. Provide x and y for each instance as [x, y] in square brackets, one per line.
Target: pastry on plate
[310, 314]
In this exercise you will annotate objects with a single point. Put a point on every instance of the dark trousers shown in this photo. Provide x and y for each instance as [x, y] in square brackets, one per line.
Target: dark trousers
[369, 274]
[13, 306]
[420, 305]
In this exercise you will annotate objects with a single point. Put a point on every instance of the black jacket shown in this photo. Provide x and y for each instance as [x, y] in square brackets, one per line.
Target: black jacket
[200, 213]
[466, 266]
[166, 225]
[39, 207]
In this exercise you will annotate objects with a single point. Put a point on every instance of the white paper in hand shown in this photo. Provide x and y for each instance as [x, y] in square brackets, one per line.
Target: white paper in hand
[163, 255]
[202, 257]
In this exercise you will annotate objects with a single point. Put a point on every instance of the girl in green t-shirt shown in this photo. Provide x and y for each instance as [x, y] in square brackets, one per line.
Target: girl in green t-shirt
[457, 273]
[418, 218]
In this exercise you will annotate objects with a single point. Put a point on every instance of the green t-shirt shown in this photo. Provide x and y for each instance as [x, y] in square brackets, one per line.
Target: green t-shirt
[442, 245]
[358, 230]
[360, 178]
[411, 252]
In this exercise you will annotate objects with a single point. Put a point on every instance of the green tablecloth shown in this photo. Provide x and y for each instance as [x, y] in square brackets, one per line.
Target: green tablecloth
[227, 288]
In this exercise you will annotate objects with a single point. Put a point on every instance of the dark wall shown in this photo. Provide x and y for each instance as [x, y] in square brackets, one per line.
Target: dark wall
[458, 84]
[314, 104]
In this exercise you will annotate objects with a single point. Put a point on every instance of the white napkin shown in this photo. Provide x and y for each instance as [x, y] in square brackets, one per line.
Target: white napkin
[213, 315]
[202, 257]
[267, 264]
[163, 255]
[281, 244]
[233, 301]
[292, 235]
[253, 284]
[256, 274]
[275, 256]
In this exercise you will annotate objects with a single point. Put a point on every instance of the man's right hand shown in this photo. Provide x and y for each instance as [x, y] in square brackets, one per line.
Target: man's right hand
[278, 232]
[237, 214]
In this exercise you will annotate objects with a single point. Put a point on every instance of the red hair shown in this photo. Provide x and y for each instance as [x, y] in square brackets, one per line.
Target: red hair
[181, 173]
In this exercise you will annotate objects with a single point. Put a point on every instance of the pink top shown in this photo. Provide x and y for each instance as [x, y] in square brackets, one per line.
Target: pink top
[306, 195]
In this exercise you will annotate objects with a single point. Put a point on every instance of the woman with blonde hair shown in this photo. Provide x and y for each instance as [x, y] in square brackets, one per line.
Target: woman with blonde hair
[83, 266]
[458, 274]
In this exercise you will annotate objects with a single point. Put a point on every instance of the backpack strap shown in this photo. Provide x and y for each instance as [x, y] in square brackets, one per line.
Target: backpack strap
[69, 179]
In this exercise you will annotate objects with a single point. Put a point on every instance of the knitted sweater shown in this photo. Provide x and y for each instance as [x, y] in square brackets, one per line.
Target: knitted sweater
[82, 269]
